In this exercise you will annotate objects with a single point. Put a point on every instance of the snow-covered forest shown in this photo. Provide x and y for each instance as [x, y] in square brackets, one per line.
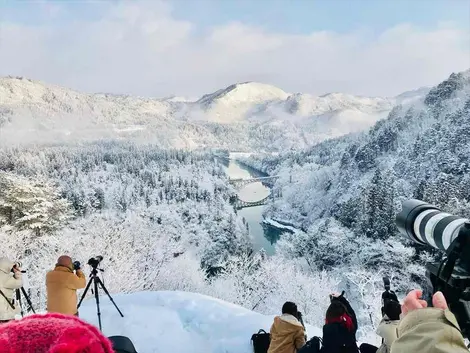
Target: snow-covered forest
[164, 219]
[343, 194]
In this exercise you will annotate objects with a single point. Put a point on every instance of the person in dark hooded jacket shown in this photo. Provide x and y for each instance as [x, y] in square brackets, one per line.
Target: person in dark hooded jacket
[339, 331]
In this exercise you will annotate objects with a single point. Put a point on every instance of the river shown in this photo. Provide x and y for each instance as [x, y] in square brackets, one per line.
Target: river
[264, 236]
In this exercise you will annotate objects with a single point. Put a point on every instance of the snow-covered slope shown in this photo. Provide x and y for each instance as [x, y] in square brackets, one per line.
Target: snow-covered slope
[180, 322]
[236, 101]
[246, 116]
[412, 96]
[308, 105]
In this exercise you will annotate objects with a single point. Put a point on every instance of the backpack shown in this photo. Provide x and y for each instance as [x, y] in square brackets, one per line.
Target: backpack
[122, 344]
[312, 346]
[261, 341]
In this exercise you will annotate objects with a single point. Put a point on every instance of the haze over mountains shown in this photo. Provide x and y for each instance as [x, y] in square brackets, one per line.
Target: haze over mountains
[246, 116]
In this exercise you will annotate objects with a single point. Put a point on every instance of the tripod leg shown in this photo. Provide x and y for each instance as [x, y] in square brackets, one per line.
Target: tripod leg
[28, 300]
[18, 299]
[97, 298]
[109, 296]
[85, 292]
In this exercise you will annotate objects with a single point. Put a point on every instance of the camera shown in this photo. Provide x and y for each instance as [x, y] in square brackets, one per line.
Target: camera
[76, 265]
[388, 295]
[386, 283]
[17, 265]
[426, 224]
[95, 261]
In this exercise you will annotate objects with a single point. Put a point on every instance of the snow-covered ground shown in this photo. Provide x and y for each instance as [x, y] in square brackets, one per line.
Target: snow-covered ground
[180, 322]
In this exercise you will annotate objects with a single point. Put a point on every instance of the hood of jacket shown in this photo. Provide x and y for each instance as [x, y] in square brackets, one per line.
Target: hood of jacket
[287, 324]
[6, 265]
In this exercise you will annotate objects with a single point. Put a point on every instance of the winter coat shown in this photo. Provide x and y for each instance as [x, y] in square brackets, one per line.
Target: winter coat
[336, 337]
[287, 335]
[388, 330]
[8, 284]
[52, 333]
[429, 330]
[62, 285]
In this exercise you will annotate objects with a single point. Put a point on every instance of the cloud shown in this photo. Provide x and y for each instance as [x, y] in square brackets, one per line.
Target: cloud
[140, 48]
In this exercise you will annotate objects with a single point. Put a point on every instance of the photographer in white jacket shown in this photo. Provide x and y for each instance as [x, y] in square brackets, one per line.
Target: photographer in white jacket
[10, 280]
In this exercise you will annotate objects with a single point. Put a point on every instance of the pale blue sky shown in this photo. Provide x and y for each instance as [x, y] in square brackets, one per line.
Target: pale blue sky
[192, 47]
[286, 16]
[305, 16]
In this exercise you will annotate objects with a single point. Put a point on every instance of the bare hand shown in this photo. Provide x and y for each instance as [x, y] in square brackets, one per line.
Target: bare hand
[413, 301]
[16, 269]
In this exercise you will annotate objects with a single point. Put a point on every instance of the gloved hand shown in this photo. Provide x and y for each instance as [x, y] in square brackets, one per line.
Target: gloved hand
[413, 301]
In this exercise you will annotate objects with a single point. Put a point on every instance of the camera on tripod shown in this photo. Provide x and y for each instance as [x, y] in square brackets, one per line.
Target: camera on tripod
[97, 284]
[95, 261]
[425, 224]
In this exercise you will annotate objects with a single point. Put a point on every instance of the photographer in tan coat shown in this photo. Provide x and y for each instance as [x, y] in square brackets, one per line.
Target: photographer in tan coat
[62, 284]
[287, 332]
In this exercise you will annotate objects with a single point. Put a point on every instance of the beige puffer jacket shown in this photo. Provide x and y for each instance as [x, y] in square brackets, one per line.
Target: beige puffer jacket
[8, 284]
[287, 335]
[388, 330]
[429, 330]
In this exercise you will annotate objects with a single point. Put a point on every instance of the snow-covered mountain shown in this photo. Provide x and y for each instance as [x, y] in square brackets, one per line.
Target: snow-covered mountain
[420, 151]
[179, 322]
[246, 116]
[410, 97]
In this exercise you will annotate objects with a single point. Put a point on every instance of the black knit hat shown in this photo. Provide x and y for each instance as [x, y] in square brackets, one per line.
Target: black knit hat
[289, 308]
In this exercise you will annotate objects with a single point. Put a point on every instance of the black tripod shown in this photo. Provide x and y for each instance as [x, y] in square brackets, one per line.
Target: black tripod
[97, 283]
[20, 291]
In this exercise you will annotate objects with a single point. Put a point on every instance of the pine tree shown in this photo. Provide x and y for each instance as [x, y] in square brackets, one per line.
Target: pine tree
[37, 206]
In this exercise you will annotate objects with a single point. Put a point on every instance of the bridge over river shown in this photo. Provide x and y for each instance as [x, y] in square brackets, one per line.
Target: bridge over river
[241, 183]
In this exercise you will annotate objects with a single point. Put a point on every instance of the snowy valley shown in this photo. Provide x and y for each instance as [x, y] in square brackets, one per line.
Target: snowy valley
[136, 180]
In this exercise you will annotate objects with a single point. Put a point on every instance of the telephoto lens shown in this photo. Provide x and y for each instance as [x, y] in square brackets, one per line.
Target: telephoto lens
[426, 224]
[95, 261]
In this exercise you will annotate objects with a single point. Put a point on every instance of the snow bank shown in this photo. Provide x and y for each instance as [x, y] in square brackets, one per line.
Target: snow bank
[280, 225]
[164, 322]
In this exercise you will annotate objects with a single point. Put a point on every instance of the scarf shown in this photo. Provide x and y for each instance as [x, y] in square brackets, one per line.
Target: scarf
[344, 319]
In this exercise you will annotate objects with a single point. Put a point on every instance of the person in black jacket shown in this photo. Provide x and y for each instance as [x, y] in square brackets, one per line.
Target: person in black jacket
[339, 331]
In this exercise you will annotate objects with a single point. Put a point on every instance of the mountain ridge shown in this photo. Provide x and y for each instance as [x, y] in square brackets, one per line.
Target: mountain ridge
[240, 116]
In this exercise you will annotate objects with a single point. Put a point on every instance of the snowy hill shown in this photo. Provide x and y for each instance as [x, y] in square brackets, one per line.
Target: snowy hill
[355, 184]
[412, 96]
[250, 92]
[236, 101]
[308, 105]
[246, 116]
[402, 151]
[179, 322]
